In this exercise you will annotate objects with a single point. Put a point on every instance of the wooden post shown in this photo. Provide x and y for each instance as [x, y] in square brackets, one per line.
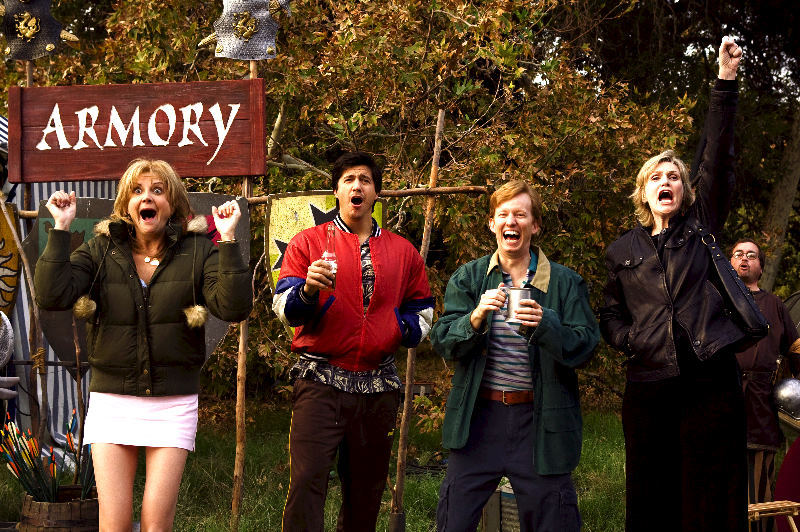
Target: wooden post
[241, 430]
[38, 371]
[241, 379]
[241, 407]
[79, 393]
[437, 153]
[27, 190]
[397, 520]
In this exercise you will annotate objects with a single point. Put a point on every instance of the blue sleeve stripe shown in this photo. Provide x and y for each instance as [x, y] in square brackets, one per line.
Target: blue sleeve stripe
[296, 310]
[418, 325]
[413, 334]
[288, 282]
[417, 305]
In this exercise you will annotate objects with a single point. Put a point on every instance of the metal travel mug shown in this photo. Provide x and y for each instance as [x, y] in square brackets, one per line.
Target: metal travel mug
[514, 296]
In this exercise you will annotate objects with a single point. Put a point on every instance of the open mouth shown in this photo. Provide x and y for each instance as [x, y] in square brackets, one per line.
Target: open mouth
[147, 214]
[665, 195]
[356, 200]
[511, 236]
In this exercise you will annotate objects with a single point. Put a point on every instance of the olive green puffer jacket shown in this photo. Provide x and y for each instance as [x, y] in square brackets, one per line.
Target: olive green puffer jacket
[139, 341]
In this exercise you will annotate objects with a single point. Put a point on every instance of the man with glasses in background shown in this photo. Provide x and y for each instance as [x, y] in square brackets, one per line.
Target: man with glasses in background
[759, 365]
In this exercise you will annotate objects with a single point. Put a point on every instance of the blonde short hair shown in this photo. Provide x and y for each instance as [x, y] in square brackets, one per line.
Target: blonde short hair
[642, 208]
[176, 193]
[512, 189]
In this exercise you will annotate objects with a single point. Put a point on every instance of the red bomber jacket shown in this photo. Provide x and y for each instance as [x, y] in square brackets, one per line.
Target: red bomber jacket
[336, 325]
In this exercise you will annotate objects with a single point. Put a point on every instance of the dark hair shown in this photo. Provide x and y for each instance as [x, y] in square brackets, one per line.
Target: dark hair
[356, 158]
[761, 255]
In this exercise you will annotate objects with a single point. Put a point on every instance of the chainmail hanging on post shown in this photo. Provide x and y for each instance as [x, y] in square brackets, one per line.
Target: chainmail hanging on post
[247, 28]
[6, 341]
[30, 30]
[6, 350]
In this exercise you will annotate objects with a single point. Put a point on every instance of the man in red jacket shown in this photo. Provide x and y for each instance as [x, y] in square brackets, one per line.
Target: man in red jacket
[346, 388]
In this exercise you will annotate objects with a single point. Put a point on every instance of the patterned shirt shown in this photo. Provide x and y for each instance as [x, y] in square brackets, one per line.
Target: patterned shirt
[367, 274]
[317, 368]
[508, 364]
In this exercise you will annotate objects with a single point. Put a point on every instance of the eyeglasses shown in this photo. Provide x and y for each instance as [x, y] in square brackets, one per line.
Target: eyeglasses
[739, 255]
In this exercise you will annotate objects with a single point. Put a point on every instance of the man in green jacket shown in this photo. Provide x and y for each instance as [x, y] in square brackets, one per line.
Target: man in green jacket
[513, 409]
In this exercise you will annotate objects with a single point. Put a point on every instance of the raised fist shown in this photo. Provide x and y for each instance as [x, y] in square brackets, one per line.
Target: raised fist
[226, 217]
[62, 207]
[729, 56]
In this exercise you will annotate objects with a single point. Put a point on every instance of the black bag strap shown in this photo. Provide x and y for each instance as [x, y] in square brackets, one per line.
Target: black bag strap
[721, 262]
[749, 316]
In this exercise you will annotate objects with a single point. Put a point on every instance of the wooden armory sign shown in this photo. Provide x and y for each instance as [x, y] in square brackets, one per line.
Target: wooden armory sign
[93, 131]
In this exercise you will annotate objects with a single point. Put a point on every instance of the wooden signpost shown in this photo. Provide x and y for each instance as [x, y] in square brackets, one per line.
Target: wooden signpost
[92, 132]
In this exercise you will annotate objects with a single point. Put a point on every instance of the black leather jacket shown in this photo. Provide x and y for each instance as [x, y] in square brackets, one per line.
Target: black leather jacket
[647, 297]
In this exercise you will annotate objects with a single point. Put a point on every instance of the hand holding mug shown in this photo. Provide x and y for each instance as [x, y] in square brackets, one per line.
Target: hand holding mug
[491, 301]
[529, 313]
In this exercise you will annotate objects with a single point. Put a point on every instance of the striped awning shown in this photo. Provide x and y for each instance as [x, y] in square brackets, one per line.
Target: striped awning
[3, 134]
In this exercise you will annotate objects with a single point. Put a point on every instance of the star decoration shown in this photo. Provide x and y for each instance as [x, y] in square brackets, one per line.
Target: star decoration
[320, 216]
[281, 250]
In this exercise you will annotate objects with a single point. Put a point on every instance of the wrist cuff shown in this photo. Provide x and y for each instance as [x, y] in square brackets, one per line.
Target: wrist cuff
[729, 85]
[308, 300]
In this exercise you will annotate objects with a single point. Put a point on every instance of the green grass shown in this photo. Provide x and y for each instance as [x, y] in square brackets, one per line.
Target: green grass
[205, 497]
[10, 495]
[600, 477]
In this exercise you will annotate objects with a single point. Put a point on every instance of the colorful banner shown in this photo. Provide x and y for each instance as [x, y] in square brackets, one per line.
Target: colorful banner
[10, 263]
[290, 213]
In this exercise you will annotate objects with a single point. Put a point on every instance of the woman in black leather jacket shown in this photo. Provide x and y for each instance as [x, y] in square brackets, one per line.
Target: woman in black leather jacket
[682, 413]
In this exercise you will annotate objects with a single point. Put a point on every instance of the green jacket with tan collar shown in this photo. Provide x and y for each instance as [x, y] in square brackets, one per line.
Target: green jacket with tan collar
[139, 341]
[565, 339]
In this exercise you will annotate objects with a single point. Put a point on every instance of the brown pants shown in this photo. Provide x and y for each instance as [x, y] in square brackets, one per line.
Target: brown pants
[361, 428]
[761, 479]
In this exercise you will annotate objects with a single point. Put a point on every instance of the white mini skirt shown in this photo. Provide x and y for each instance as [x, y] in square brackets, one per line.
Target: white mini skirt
[169, 421]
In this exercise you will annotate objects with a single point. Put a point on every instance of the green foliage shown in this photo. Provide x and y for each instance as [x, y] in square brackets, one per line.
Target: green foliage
[667, 49]
[371, 76]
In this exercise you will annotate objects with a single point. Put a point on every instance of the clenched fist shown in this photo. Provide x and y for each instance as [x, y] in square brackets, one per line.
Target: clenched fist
[729, 56]
[62, 207]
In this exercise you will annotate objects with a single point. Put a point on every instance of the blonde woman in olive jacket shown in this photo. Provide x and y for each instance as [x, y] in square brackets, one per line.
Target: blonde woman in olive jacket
[143, 283]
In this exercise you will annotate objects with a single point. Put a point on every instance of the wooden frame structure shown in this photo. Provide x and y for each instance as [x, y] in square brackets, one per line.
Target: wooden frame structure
[255, 91]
